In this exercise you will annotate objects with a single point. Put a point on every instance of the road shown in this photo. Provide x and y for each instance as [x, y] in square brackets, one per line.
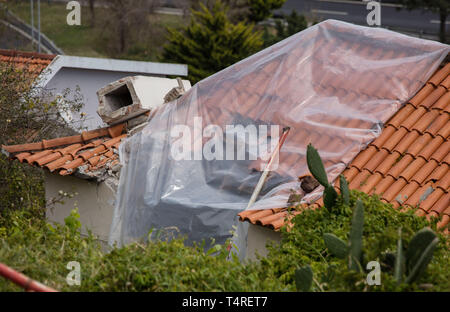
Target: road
[353, 11]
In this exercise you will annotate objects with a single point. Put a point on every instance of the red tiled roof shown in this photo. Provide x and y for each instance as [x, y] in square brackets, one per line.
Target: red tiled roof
[87, 152]
[407, 165]
[33, 62]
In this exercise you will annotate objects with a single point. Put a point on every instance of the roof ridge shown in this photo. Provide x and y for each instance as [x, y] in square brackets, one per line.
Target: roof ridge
[17, 53]
[112, 131]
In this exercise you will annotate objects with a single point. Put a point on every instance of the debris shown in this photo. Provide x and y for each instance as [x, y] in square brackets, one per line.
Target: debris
[308, 183]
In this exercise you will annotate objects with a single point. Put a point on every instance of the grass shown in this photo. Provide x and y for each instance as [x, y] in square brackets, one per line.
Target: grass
[85, 40]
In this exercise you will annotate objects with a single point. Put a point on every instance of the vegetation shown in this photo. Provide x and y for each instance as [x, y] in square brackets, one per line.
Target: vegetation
[317, 169]
[308, 257]
[285, 26]
[251, 11]
[211, 42]
[100, 39]
[29, 113]
[413, 261]
[262, 9]
[42, 252]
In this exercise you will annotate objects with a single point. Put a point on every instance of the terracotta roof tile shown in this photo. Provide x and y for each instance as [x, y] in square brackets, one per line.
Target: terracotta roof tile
[403, 114]
[440, 75]
[408, 164]
[446, 82]
[433, 97]
[444, 182]
[431, 147]
[431, 199]
[32, 62]
[384, 167]
[421, 95]
[443, 223]
[92, 150]
[443, 102]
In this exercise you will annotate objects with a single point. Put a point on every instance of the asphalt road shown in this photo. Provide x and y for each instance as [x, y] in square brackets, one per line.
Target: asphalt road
[353, 11]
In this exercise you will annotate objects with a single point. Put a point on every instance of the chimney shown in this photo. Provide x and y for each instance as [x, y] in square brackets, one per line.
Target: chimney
[129, 97]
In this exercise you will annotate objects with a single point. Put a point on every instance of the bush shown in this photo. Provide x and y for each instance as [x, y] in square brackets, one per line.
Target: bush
[304, 245]
[41, 251]
[29, 113]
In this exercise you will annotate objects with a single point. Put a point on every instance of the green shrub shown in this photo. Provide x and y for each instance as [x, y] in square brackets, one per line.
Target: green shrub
[304, 245]
[41, 251]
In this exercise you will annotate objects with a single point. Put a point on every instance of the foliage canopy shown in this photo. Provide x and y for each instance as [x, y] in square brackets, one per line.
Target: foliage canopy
[211, 42]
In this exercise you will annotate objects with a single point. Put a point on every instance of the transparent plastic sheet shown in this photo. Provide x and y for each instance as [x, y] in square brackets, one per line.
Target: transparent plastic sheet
[334, 85]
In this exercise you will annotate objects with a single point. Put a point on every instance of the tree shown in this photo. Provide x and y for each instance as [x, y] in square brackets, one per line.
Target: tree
[285, 27]
[128, 20]
[442, 7]
[29, 114]
[210, 42]
[241, 10]
[92, 12]
[262, 9]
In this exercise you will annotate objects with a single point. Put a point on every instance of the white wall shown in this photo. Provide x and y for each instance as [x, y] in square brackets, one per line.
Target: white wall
[95, 202]
[257, 239]
[89, 82]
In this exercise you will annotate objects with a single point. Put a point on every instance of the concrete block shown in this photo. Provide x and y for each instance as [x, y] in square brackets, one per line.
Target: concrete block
[131, 96]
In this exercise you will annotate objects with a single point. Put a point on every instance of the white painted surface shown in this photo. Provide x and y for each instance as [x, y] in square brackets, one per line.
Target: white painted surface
[257, 238]
[93, 63]
[151, 90]
[91, 74]
[95, 203]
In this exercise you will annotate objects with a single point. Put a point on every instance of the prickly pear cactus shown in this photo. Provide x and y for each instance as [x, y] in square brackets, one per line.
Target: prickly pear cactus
[304, 278]
[419, 253]
[345, 192]
[335, 245]
[315, 165]
[329, 197]
[356, 236]
[399, 259]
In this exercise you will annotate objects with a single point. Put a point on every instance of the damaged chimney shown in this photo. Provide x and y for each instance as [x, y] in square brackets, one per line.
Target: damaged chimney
[132, 96]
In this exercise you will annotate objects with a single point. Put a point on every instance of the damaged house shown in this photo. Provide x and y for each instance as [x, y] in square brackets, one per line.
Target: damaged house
[87, 165]
[373, 102]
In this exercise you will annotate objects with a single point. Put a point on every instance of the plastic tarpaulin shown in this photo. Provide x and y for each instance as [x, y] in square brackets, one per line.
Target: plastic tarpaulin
[334, 84]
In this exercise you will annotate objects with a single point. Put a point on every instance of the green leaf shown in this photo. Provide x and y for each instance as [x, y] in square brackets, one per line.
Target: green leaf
[356, 236]
[345, 193]
[335, 245]
[329, 197]
[315, 165]
[399, 259]
[214, 249]
[419, 253]
[304, 278]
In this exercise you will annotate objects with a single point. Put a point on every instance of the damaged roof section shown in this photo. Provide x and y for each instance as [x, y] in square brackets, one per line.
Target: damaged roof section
[88, 155]
[125, 105]
[407, 165]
